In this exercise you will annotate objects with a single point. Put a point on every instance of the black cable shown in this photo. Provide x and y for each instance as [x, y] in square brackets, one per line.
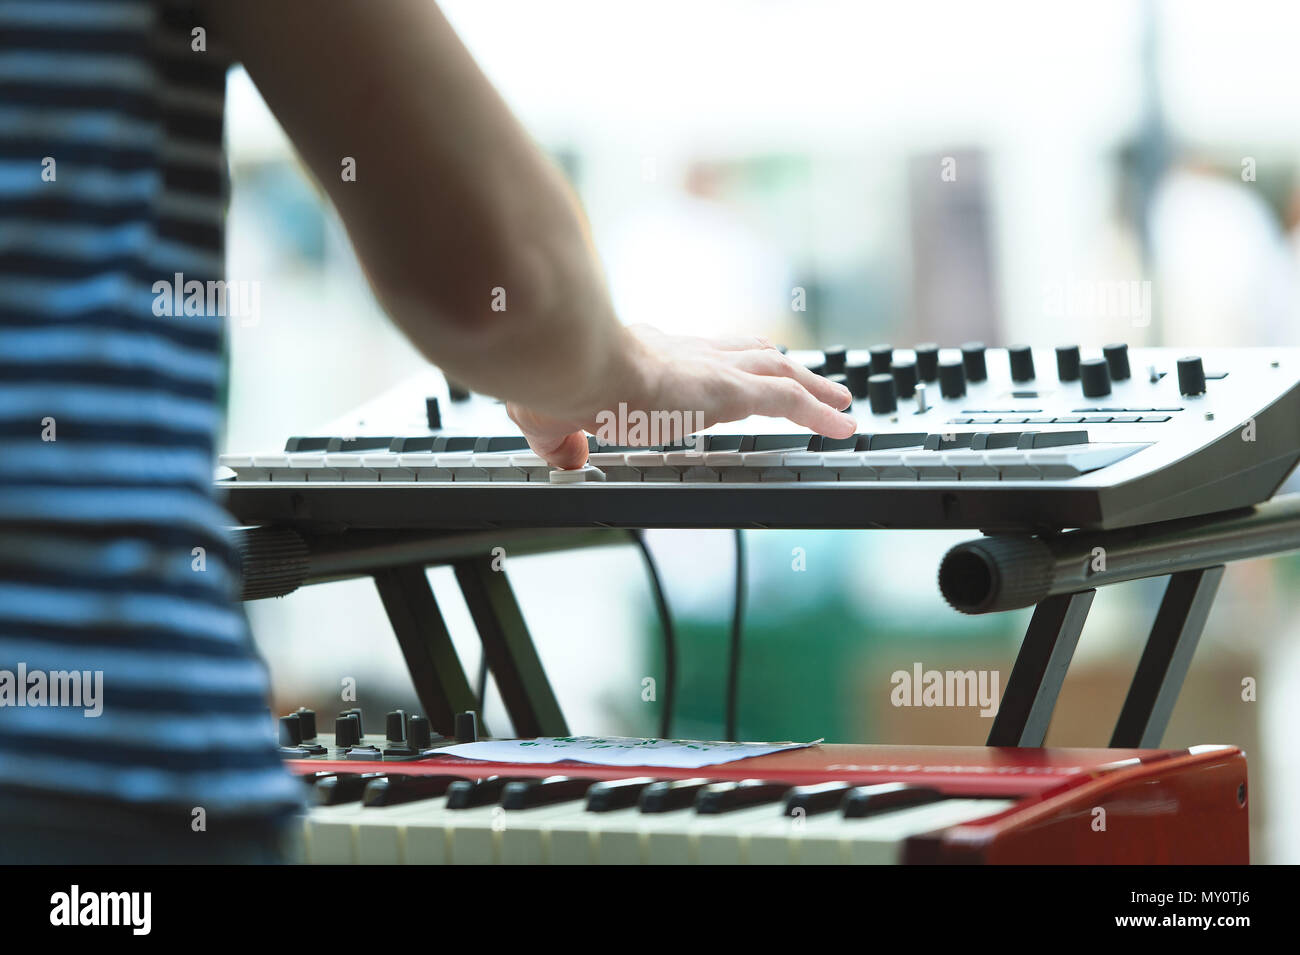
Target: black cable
[737, 626]
[670, 637]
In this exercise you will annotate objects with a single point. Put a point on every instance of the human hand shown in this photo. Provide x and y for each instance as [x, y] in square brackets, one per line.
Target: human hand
[713, 379]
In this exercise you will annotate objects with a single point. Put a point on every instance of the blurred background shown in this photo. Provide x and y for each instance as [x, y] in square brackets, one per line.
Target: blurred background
[925, 171]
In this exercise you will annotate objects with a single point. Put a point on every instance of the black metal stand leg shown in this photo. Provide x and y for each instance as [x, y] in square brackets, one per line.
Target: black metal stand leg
[509, 649]
[1027, 703]
[1167, 656]
[435, 669]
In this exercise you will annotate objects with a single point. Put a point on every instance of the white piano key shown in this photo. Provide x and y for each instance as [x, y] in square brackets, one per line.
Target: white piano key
[380, 459]
[1072, 461]
[888, 465]
[328, 836]
[471, 836]
[1012, 465]
[525, 835]
[724, 838]
[381, 833]
[878, 840]
[615, 836]
[453, 460]
[684, 459]
[525, 460]
[798, 460]
[970, 465]
[271, 461]
[929, 466]
[492, 459]
[764, 459]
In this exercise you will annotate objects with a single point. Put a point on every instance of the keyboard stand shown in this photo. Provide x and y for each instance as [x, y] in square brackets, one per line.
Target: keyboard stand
[1191, 551]
[1026, 709]
[277, 560]
[1194, 549]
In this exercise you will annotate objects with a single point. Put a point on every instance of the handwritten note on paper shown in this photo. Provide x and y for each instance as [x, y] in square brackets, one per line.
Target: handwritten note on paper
[615, 751]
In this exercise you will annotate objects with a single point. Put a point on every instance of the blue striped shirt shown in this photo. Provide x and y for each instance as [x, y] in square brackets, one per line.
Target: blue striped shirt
[113, 554]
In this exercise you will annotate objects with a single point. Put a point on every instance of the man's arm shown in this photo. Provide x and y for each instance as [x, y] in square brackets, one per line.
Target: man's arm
[452, 199]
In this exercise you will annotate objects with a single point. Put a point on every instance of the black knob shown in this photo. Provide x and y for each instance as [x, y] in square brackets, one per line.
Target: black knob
[880, 389]
[1095, 373]
[290, 730]
[972, 356]
[457, 391]
[420, 734]
[835, 356]
[307, 720]
[818, 367]
[927, 361]
[361, 724]
[904, 373]
[882, 356]
[395, 726]
[466, 727]
[433, 413]
[1117, 358]
[952, 379]
[857, 373]
[1022, 362]
[1191, 376]
[347, 730]
[1067, 362]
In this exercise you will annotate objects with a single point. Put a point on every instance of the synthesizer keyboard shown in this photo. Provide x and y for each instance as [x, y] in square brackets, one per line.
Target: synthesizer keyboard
[1015, 439]
[827, 804]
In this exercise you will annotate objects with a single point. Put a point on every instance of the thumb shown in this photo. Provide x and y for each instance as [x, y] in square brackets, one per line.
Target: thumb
[554, 440]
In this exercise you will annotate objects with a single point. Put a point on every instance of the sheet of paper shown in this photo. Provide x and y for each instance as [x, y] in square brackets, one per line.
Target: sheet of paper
[615, 751]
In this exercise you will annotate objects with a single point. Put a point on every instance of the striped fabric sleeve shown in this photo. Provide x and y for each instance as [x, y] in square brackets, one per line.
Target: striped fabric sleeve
[115, 570]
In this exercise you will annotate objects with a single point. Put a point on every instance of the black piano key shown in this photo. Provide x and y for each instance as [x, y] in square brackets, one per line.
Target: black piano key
[393, 790]
[724, 797]
[667, 795]
[863, 801]
[531, 793]
[854, 442]
[721, 442]
[467, 794]
[364, 443]
[515, 442]
[948, 442]
[423, 442]
[341, 788]
[992, 440]
[1054, 439]
[307, 444]
[820, 797]
[617, 793]
[894, 441]
[779, 442]
[311, 779]
[616, 448]
[455, 442]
